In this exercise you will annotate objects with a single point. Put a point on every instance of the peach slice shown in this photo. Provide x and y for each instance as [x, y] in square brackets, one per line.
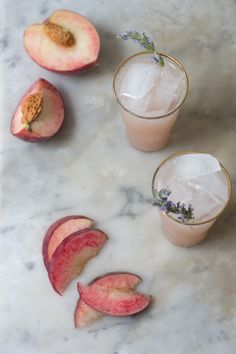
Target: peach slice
[117, 280]
[65, 42]
[39, 114]
[119, 301]
[71, 256]
[61, 229]
[84, 314]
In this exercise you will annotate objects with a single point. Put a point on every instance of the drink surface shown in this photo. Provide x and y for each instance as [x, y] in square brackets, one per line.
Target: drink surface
[148, 89]
[196, 179]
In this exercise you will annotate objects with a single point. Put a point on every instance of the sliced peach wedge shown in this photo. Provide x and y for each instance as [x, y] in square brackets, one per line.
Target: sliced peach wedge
[86, 315]
[40, 113]
[71, 256]
[65, 42]
[113, 298]
[61, 229]
[117, 280]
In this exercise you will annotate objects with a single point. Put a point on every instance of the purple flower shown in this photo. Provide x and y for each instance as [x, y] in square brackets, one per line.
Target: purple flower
[169, 206]
[190, 208]
[163, 208]
[144, 42]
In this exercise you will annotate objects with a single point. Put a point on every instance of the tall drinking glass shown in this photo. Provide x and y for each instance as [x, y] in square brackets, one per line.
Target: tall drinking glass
[149, 98]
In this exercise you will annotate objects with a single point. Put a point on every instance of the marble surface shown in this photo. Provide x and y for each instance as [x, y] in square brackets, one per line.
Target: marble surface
[90, 168]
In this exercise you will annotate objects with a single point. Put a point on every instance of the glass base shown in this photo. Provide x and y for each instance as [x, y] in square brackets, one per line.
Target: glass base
[148, 147]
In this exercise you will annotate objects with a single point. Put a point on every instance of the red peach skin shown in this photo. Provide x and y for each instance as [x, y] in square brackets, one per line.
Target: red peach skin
[117, 280]
[61, 229]
[72, 254]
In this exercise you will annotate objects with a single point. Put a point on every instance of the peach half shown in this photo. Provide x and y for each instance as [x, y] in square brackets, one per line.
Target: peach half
[65, 42]
[39, 114]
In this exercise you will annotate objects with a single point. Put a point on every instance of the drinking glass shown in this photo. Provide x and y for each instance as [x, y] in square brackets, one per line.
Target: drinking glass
[191, 232]
[149, 132]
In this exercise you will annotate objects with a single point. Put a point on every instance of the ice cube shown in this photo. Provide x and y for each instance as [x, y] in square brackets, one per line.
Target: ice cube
[171, 79]
[206, 202]
[161, 101]
[195, 165]
[206, 205]
[136, 105]
[215, 183]
[180, 191]
[139, 79]
[155, 104]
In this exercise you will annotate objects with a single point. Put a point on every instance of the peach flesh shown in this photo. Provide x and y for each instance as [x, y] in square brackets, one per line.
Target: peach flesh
[71, 256]
[50, 118]
[61, 229]
[80, 56]
[113, 301]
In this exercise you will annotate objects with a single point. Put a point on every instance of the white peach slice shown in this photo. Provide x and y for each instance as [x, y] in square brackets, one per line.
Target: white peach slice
[39, 114]
[61, 229]
[65, 42]
[84, 314]
[113, 294]
[72, 254]
[113, 301]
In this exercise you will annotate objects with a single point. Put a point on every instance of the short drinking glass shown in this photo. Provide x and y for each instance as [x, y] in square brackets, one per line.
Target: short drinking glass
[197, 180]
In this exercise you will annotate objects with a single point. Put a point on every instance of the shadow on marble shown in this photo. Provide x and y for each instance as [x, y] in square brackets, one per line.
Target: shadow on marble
[209, 110]
[111, 52]
[68, 128]
[223, 229]
[193, 127]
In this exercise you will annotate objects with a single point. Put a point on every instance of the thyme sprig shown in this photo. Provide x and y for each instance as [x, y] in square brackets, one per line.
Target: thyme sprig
[144, 42]
[161, 200]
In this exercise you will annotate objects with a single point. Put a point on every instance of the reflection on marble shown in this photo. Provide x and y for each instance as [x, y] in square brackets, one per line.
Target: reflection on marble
[90, 168]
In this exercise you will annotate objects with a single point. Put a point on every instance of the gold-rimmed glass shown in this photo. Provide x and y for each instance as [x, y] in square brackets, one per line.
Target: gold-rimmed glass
[191, 232]
[149, 133]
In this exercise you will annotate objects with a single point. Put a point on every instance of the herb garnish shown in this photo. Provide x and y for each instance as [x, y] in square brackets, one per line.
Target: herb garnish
[161, 200]
[144, 42]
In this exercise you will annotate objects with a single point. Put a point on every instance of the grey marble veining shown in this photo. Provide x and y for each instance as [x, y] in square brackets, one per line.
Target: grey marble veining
[90, 168]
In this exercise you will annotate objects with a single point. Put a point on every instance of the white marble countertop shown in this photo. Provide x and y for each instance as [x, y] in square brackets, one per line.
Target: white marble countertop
[90, 168]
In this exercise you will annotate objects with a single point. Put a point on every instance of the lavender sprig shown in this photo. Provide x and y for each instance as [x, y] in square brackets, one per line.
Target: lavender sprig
[161, 200]
[144, 42]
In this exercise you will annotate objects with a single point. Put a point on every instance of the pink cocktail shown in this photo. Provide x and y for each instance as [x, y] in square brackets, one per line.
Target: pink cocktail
[149, 97]
[197, 179]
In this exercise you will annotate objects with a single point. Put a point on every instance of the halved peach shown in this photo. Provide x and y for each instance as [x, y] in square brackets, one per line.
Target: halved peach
[65, 42]
[84, 314]
[119, 301]
[72, 254]
[61, 229]
[39, 114]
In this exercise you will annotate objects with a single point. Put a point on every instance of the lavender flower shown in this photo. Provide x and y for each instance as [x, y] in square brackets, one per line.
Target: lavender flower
[161, 200]
[144, 42]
